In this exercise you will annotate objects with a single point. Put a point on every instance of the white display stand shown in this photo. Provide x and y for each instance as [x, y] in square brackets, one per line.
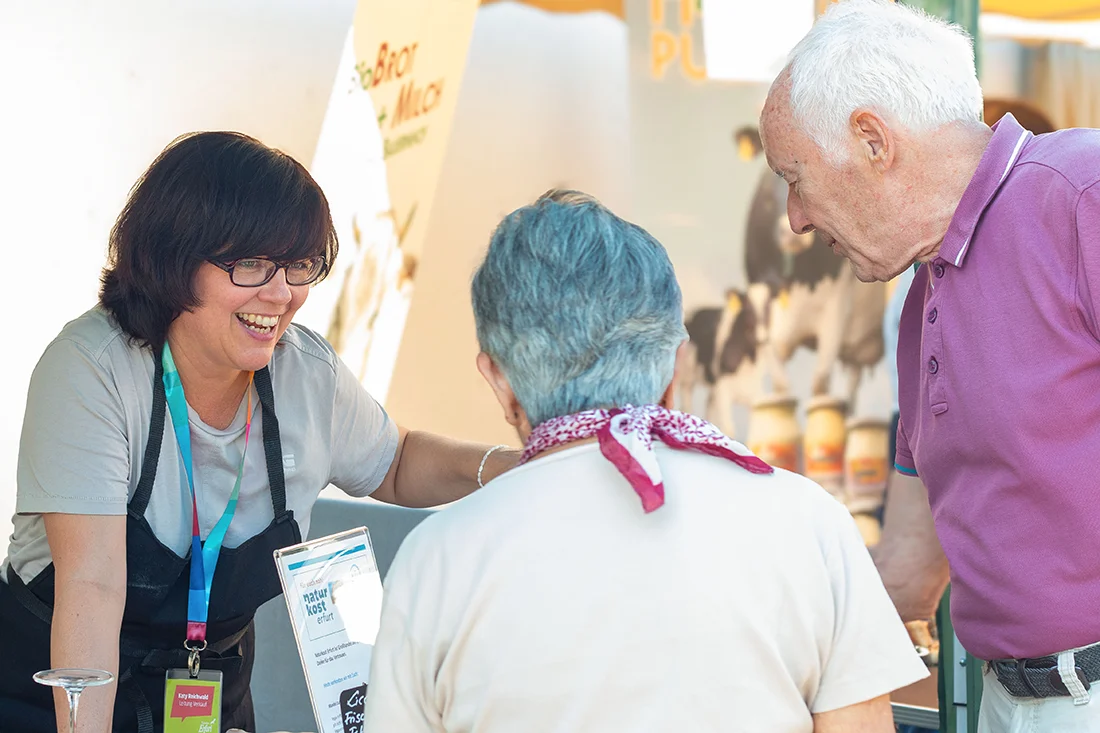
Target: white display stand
[333, 595]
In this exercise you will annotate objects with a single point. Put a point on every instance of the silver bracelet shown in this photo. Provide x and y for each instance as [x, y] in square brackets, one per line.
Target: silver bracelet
[485, 458]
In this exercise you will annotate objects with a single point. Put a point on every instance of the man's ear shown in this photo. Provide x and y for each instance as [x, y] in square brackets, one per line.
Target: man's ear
[668, 399]
[501, 388]
[876, 140]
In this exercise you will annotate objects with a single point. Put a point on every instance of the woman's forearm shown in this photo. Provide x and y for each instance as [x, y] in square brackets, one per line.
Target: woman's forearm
[89, 557]
[430, 469]
[86, 621]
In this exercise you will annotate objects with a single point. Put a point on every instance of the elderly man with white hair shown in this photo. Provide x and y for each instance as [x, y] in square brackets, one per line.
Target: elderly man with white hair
[640, 571]
[875, 126]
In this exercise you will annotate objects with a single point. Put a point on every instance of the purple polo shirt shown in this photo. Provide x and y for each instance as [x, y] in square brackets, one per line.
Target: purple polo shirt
[999, 391]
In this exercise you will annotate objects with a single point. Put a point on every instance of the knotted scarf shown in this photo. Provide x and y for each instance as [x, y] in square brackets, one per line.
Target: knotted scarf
[626, 439]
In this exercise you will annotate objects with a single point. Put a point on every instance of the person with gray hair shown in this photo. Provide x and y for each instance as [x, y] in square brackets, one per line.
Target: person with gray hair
[875, 126]
[639, 571]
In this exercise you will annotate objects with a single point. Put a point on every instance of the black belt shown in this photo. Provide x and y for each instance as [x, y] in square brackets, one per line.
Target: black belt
[1039, 676]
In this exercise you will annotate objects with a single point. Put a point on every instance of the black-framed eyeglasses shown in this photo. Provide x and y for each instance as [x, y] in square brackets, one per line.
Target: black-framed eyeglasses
[252, 272]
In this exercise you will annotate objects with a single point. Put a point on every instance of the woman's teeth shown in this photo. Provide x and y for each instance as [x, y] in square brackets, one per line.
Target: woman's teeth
[259, 324]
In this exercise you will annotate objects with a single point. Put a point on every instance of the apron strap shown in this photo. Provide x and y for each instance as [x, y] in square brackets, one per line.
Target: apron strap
[273, 446]
[142, 709]
[273, 450]
[27, 597]
[137, 506]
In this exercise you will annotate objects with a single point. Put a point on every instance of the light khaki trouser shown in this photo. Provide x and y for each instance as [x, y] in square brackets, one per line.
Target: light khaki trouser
[1003, 713]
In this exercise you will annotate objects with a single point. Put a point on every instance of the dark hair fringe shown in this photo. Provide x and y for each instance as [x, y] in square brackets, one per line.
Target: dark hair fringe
[208, 196]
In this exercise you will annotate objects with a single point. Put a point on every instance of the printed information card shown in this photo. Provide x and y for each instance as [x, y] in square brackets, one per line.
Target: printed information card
[334, 595]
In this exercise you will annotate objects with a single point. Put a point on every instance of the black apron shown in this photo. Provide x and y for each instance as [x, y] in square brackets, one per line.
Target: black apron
[154, 622]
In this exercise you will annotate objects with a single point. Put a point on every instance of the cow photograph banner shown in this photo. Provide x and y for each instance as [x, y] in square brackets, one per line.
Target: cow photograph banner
[787, 347]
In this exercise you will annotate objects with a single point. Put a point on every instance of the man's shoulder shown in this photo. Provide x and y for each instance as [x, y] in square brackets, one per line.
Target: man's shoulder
[723, 488]
[701, 468]
[451, 541]
[1072, 155]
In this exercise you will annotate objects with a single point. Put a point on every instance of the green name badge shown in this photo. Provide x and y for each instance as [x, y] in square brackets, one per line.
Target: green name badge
[192, 704]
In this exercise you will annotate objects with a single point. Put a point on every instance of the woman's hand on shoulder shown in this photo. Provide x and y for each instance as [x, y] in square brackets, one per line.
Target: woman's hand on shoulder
[430, 470]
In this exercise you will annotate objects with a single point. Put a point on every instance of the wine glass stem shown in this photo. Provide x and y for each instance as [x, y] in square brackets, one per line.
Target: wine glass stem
[74, 698]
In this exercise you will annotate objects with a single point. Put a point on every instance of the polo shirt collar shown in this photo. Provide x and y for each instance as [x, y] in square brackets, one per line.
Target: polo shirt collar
[1000, 156]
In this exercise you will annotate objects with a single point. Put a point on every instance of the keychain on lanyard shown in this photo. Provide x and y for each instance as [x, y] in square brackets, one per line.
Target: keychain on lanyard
[204, 556]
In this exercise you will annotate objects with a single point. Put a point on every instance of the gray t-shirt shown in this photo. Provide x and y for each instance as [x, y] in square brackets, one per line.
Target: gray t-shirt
[87, 423]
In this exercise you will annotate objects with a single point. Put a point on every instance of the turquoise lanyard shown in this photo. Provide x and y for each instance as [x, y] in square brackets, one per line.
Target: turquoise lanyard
[204, 555]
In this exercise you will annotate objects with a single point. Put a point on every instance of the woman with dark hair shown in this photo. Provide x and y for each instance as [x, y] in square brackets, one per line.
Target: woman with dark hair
[185, 426]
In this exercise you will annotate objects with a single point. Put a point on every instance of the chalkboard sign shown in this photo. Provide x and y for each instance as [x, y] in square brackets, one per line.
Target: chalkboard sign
[352, 701]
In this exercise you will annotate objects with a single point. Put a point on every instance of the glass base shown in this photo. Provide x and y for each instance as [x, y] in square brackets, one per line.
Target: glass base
[73, 679]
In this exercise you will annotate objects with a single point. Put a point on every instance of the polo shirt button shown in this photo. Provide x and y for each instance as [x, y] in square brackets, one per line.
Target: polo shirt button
[938, 269]
[933, 365]
[933, 315]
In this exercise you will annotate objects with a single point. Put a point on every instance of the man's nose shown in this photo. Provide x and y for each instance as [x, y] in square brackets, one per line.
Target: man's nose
[800, 223]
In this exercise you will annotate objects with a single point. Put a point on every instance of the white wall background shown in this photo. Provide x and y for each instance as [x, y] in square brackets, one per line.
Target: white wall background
[89, 94]
[1002, 68]
[544, 103]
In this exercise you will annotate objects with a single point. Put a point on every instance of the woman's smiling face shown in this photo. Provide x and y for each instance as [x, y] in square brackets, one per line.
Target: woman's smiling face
[235, 328]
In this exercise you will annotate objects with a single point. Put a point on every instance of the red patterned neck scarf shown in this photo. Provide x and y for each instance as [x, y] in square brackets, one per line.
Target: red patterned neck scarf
[626, 439]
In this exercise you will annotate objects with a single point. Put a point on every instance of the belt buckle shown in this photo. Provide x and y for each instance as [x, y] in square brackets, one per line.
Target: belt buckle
[1055, 680]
